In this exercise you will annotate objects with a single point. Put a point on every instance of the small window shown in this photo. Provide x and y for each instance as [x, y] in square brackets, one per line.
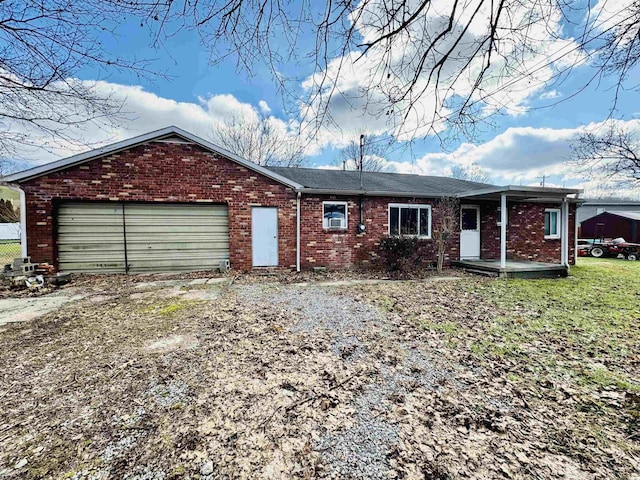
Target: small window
[411, 220]
[334, 215]
[469, 219]
[552, 223]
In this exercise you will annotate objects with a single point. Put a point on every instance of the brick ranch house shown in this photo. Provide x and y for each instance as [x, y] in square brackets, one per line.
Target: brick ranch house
[170, 201]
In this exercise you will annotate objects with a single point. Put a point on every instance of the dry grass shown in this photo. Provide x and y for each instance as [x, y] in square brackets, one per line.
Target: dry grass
[539, 380]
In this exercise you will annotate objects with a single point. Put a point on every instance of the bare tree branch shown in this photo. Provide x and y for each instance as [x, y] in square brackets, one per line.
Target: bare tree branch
[421, 66]
[612, 153]
[373, 155]
[44, 44]
[260, 139]
[472, 173]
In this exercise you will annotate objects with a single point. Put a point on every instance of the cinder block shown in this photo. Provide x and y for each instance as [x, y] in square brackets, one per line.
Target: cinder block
[18, 262]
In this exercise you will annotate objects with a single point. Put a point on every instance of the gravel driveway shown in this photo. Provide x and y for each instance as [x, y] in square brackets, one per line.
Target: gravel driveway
[356, 330]
[206, 378]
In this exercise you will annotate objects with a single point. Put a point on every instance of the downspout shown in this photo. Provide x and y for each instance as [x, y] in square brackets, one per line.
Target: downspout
[564, 245]
[298, 231]
[503, 230]
[23, 216]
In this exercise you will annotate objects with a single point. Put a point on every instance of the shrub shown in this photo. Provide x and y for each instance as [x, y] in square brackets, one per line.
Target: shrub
[400, 255]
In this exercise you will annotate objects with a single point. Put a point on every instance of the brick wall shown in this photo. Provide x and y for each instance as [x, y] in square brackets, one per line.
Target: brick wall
[346, 248]
[525, 233]
[163, 172]
[185, 173]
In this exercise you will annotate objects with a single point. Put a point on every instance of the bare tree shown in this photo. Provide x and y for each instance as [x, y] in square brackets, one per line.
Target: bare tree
[472, 173]
[261, 139]
[613, 154]
[43, 46]
[445, 225]
[372, 154]
[420, 65]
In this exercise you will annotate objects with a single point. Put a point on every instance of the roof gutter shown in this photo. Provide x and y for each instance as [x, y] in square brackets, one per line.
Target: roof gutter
[372, 193]
[519, 189]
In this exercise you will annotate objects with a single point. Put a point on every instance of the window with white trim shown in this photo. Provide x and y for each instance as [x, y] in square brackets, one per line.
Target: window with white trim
[334, 215]
[409, 219]
[552, 223]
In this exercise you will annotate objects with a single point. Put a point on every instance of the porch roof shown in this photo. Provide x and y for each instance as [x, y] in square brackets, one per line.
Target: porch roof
[531, 194]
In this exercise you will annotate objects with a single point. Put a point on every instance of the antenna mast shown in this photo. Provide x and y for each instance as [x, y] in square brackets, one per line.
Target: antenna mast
[361, 159]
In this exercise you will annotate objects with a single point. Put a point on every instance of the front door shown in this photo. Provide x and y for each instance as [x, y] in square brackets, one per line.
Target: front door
[264, 236]
[469, 232]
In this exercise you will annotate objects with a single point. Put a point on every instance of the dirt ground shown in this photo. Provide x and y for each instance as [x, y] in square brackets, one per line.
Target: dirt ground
[201, 377]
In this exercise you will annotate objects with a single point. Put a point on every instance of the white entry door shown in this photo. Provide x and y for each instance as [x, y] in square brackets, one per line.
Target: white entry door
[469, 232]
[264, 236]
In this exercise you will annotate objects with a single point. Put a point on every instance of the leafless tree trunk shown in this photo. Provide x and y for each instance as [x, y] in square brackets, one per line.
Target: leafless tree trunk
[445, 225]
[612, 153]
[373, 154]
[261, 139]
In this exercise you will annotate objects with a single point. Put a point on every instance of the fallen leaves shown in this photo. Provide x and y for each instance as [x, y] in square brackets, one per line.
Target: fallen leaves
[261, 379]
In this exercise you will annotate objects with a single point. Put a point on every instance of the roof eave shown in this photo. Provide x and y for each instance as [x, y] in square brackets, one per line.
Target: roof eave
[371, 193]
[516, 191]
[80, 158]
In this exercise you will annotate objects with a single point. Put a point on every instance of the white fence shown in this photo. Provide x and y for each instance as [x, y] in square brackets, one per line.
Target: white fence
[9, 231]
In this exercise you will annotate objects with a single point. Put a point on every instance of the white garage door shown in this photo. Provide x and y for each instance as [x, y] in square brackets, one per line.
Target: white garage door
[103, 237]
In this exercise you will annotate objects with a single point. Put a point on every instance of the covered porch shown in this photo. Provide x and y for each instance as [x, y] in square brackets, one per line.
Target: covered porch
[508, 257]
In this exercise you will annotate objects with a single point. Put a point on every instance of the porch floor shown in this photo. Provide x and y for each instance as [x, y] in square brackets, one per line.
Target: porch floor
[513, 268]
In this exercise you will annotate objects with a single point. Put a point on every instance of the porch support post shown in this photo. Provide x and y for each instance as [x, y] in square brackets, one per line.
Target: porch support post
[564, 232]
[503, 230]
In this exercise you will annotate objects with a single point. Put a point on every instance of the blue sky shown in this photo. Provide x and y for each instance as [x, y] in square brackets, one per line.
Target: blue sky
[518, 148]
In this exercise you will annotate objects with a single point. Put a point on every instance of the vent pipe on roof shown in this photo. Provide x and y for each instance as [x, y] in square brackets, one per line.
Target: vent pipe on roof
[361, 159]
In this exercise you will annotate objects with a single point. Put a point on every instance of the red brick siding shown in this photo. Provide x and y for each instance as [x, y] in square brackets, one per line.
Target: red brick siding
[525, 233]
[164, 172]
[346, 248]
[186, 173]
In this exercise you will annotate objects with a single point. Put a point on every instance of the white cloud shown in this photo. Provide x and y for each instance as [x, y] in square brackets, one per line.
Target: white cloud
[264, 107]
[142, 112]
[517, 156]
[551, 94]
[359, 88]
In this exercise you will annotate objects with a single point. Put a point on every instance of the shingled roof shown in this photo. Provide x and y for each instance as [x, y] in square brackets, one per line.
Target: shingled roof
[337, 181]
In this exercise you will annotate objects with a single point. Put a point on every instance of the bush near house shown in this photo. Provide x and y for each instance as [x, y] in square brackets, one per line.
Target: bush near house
[401, 255]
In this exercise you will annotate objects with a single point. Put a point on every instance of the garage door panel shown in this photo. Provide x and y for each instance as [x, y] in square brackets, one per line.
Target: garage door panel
[175, 238]
[91, 237]
[203, 247]
[176, 230]
[159, 238]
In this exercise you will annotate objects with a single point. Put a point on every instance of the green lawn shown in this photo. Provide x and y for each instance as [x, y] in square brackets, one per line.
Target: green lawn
[9, 251]
[9, 194]
[559, 359]
[590, 321]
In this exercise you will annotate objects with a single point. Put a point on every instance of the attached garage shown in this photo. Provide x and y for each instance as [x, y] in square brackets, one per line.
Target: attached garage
[110, 237]
[165, 201]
